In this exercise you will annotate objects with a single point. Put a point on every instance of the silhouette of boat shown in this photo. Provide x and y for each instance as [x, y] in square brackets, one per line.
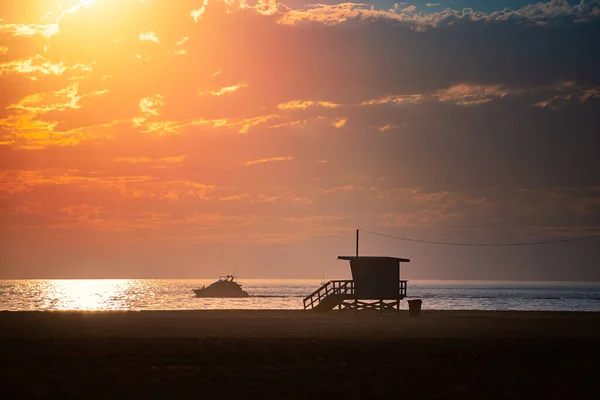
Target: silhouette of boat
[225, 286]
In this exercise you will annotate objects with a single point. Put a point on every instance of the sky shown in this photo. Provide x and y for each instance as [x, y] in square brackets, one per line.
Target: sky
[189, 139]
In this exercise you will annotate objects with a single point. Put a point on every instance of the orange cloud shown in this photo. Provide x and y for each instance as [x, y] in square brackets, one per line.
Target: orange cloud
[303, 105]
[462, 94]
[26, 132]
[344, 188]
[197, 14]
[400, 99]
[234, 197]
[81, 210]
[152, 105]
[95, 218]
[138, 160]
[227, 89]
[247, 123]
[179, 50]
[35, 64]
[388, 127]
[338, 123]
[149, 106]
[266, 160]
[60, 100]
[29, 208]
[128, 186]
[149, 36]
[45, 30]
[466, 94]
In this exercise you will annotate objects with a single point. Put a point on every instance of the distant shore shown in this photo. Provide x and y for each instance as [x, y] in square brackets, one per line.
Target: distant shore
[299, 354]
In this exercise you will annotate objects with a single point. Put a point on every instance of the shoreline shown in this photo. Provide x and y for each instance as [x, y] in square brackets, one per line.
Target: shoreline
[297, 324]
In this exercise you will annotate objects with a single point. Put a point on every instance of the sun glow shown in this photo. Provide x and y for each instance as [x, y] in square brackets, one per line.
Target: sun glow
[86, 294]
[53, 29]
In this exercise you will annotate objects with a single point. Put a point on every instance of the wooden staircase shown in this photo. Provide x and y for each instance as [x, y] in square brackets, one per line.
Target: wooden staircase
[328, 296]
[334, 293]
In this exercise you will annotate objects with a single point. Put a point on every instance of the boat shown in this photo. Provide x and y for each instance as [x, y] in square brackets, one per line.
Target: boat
[225, 286]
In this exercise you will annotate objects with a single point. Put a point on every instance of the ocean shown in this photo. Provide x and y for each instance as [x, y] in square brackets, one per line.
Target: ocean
[161, 294]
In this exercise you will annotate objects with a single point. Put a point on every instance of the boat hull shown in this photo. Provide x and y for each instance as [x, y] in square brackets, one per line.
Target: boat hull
[209, 294]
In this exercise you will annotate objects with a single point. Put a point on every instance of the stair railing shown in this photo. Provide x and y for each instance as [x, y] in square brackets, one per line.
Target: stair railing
[339, 287]
[330, 288]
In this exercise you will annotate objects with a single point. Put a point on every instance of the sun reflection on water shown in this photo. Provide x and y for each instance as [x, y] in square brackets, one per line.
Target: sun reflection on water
[143, 294]
[87, 294]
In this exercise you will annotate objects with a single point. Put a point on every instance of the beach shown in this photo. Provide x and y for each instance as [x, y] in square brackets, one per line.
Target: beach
[297, 354]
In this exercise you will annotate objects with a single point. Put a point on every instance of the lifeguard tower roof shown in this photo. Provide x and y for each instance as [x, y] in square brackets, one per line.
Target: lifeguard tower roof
[373, 258]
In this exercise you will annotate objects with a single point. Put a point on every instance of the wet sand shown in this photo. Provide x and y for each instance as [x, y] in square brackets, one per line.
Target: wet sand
[295, 354]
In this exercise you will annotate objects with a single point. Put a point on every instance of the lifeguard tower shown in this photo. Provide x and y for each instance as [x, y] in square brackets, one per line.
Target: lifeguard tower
[375, 285]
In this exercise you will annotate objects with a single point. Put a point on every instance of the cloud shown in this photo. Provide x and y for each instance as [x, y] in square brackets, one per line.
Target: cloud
[227, 89]
[45, 30]
[339, 122]
[36, 64]
[398, 99]
[149, 107]
[347, 13]
[28, 29]
[42, 102]
[388, 127]
[268, 160]
[197, 14]
[66, 98]
[82, 210]
[246, 124]
[137, 160]
[234, 197]
[152, 105]
[465, 94]
[149, 36]
[132, 186]
[29, 208]
[344, 188]
[179, 50]
[568, 93]
[303, 105]
[471, 94]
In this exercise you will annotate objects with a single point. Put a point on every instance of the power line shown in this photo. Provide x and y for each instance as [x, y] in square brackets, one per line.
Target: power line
[485, 244]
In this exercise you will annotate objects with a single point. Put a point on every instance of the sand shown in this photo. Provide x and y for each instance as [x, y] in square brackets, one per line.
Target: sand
[296, 354]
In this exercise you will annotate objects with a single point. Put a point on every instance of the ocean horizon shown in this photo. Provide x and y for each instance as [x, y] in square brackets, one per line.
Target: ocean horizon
[286, 294]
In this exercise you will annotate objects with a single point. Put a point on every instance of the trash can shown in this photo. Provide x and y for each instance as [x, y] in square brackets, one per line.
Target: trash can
[414, 307]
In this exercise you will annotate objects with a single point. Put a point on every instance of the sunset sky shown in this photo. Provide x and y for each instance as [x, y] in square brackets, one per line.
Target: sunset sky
[186, 139]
